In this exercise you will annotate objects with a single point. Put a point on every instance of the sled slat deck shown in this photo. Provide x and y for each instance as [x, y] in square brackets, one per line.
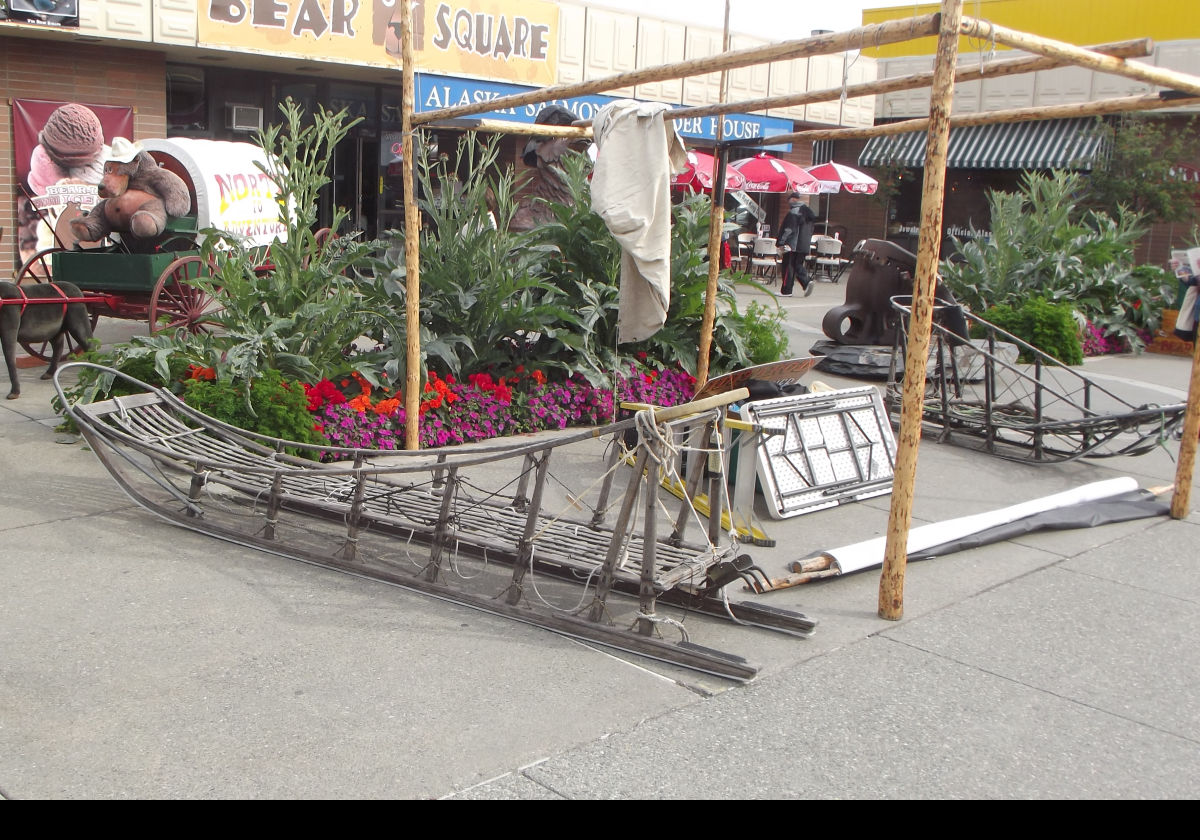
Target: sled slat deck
[435, 520]
[403, 507]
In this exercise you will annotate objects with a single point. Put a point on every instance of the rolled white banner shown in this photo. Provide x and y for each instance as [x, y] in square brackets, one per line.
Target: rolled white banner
[868, 553]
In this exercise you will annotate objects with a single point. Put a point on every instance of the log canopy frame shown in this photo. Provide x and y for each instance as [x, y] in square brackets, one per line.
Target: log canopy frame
[948, 25]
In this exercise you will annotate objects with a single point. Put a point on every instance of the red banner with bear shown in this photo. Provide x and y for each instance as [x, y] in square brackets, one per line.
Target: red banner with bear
[59, 150]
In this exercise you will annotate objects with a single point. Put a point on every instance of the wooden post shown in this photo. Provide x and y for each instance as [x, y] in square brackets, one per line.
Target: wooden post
[891, 583]
[716, 221]
[412, 240]
[1187, 446]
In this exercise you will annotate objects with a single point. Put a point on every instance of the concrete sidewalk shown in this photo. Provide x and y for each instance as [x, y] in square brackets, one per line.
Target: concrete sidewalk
[144, 661]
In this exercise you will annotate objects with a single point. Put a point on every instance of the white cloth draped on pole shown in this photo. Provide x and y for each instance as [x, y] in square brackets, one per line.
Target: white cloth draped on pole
[638, 151]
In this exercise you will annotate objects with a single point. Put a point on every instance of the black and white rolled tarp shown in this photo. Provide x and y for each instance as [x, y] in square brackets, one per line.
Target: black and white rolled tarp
[1098, 503]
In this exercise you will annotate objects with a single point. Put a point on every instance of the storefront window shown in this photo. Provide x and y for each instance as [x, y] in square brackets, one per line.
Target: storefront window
[187, 102]
[358, 101]
[303, 94]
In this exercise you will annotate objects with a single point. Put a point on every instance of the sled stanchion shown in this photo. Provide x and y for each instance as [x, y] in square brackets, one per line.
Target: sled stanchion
[525, 546]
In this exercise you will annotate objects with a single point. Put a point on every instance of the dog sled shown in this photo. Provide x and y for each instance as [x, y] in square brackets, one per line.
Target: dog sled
[508, 527]
[1000, 394]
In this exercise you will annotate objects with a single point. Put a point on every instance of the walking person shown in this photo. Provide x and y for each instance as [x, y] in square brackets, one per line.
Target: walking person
[795, 237]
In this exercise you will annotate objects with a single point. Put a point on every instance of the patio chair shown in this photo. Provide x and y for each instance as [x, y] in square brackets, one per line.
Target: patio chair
[830, 262]
[745, 244]
[765, 261]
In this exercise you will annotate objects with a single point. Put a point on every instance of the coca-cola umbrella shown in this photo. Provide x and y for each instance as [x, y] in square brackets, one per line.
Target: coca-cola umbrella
[767, 174]
[837, 177]
[700, 174]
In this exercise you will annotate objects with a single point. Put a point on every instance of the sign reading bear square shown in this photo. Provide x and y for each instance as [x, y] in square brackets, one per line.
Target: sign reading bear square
[511, 40]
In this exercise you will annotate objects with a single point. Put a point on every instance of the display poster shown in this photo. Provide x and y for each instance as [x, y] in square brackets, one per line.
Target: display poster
[59, 150]
[41, 12]
[514, 40]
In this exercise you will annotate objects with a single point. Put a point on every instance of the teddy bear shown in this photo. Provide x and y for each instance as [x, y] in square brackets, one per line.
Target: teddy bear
[137, 196]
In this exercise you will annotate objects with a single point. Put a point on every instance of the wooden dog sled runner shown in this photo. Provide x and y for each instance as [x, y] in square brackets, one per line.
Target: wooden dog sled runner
[1037, 410]
[477, 525]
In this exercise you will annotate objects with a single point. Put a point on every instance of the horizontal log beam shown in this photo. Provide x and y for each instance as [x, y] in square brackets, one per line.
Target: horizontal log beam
[990, 32]
[582, 131]
[1008, 67]
[866, 36]
[1146, 102]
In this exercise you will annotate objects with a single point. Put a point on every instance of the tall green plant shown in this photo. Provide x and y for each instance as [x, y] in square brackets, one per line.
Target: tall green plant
[1044, 243]
[294, 307]
[484, 296]
[1138, 172]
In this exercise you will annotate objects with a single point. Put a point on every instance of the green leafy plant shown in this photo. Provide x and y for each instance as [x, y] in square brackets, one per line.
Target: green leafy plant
[492, 300]
[1138, 173]
[764, 334]
[484, 295]
[1043, 243]
[1047, 326]
[270, 405]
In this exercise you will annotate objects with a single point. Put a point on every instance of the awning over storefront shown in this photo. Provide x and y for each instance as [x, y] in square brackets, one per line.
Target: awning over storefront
[1042, 144]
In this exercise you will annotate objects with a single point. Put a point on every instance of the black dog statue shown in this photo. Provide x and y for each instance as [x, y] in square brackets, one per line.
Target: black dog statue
[883, 270]
[28, 314]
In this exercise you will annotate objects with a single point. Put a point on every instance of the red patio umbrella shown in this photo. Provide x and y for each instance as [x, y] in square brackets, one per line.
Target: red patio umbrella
[837, 177]
[767, 174]
[701, 172]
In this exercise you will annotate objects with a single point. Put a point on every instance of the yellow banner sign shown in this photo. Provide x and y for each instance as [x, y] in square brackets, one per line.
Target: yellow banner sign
[508, 40]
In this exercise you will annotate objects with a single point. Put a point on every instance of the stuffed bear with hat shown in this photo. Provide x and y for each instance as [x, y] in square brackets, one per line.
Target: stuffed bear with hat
[137, 196]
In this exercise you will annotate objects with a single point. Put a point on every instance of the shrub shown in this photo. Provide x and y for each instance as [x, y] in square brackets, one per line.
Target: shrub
[1043, 242]
[1050, 327]
[764, 334]
[272, 406]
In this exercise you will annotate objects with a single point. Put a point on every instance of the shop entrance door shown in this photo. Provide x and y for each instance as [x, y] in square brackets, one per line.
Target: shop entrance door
[355, 186]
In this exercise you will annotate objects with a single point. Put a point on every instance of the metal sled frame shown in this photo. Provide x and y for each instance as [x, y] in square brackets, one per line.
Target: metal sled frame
[470, 524]
[1039, 411]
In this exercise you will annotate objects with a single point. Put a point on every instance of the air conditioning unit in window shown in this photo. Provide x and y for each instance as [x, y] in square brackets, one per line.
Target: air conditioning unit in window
[243, 117]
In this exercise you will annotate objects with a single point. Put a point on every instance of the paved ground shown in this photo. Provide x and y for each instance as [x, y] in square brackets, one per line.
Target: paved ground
[143, 661]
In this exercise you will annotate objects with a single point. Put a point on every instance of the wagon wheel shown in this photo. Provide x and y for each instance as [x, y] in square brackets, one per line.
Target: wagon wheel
[178, 304]
[36, 270]
[320, 238]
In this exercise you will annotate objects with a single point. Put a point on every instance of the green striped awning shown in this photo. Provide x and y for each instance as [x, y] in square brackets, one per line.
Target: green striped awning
[1042, 144]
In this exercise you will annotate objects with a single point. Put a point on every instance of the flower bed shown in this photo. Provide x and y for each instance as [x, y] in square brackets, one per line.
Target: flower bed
[351, 413]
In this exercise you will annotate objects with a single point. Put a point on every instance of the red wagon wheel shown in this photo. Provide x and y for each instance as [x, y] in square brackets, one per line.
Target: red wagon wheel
[37, 269]
[178, 303]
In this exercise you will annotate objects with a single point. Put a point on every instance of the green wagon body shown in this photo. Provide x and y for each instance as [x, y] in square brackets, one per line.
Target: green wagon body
[113, 272]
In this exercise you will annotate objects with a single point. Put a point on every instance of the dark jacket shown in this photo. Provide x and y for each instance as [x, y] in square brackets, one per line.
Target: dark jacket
[796, 229]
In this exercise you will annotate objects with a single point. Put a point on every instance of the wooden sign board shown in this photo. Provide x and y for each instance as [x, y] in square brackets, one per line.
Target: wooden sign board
[785, 372]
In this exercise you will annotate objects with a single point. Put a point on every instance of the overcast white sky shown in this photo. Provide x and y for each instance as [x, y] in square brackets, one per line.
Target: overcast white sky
[778, 20]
